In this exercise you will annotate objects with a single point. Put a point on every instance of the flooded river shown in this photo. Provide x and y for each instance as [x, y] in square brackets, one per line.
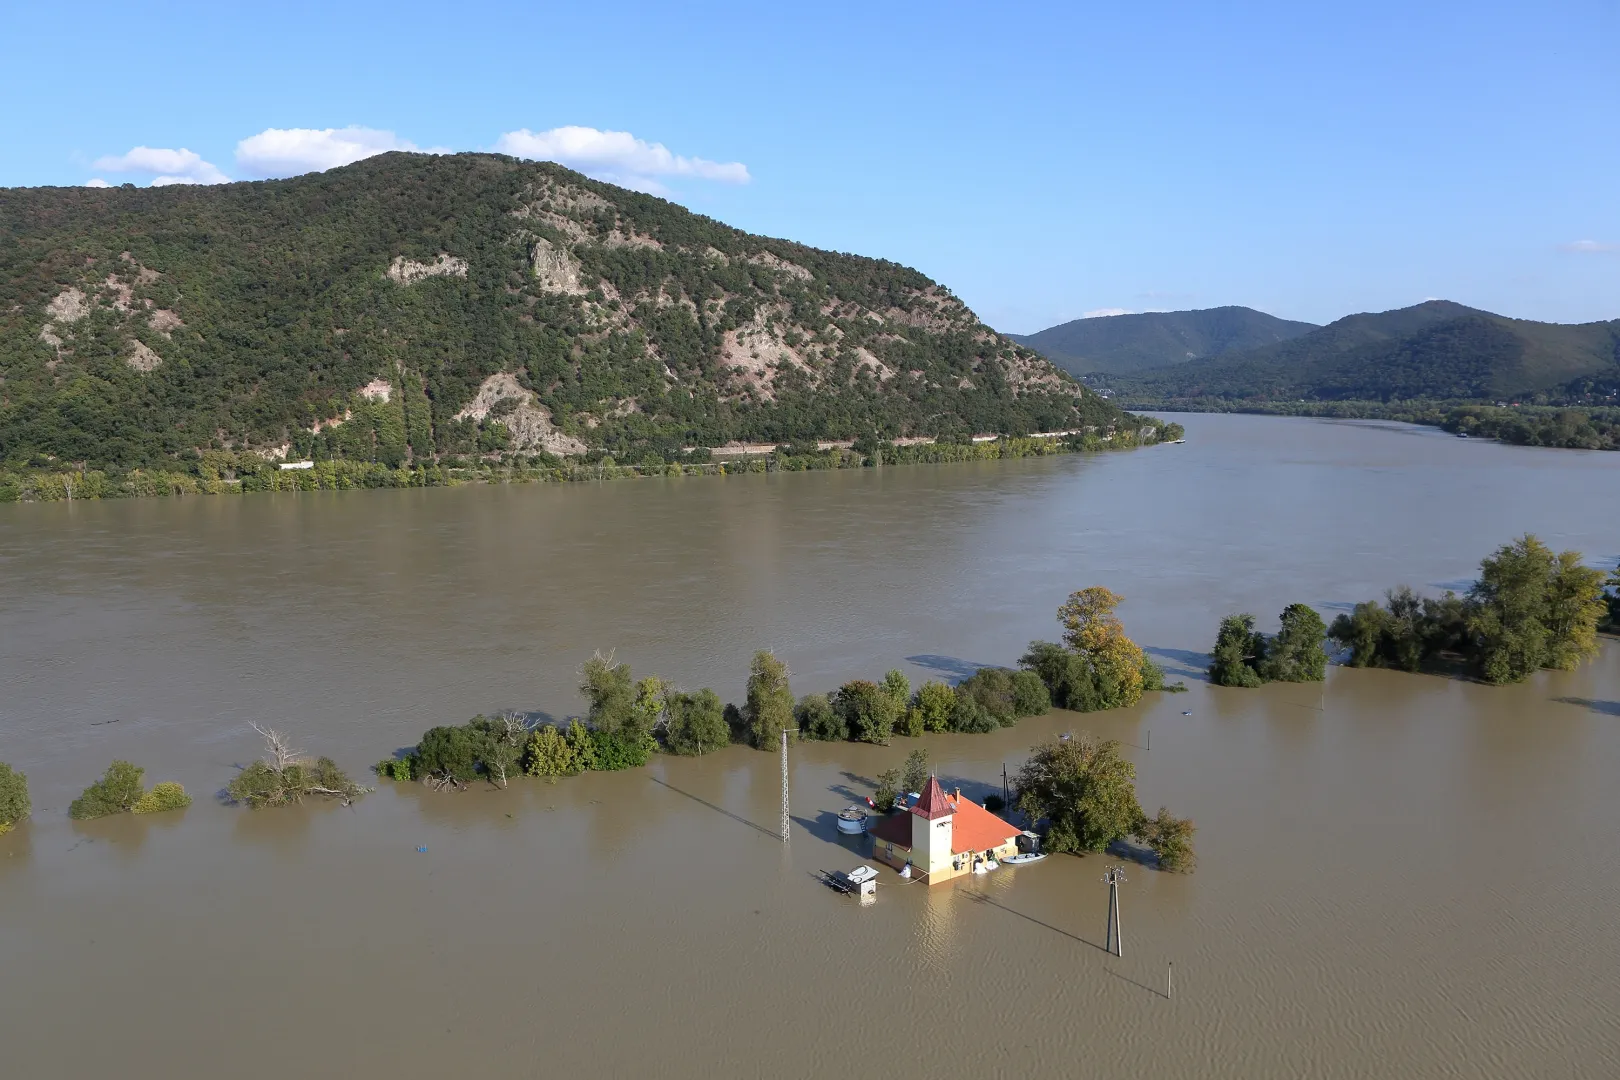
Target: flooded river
[1398, 875]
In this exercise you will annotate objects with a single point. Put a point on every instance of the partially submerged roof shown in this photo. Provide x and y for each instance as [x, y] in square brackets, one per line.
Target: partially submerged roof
[977, 829]
[973, 828]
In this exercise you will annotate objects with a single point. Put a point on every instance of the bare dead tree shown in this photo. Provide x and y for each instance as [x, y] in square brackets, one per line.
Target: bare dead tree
[514, 727]
[279, 750]
[292, 775]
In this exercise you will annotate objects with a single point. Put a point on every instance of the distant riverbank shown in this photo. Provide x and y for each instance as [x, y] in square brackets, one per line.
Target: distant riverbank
[230, 473]
[1558, 427]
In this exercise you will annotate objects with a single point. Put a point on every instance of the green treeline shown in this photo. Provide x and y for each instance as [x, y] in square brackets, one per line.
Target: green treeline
[1566, 427]
[627, 720]
[217, 472]
[1531, 609]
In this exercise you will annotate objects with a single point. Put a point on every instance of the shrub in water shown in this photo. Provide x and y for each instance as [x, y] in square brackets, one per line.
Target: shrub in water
[115, 793]
[164, 796]
[14, 803]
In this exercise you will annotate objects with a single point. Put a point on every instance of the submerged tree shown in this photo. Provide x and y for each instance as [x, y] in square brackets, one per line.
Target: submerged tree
[933, 703]
[1296, 653]
[1097, 667]
[503, 752]
[14, 804]
[549, 754]
[914, 773]
[898, 687]
[817, 719]
[1362, 632]
[285, 775]
[888, 790]
[697, 723]
[1575, 607]
[768, 710]
[867, 709]
[1238, 653]
[1533, 609]
[1084, 788]
[1170, 838]
[610, 694]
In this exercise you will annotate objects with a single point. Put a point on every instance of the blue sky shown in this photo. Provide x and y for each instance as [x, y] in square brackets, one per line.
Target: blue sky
[1042, 160]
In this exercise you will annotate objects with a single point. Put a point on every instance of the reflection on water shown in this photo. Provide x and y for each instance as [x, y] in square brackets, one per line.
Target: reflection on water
[1398, 875]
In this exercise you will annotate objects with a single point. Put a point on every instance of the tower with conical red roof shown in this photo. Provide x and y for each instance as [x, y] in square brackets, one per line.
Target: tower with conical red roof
[931, 830]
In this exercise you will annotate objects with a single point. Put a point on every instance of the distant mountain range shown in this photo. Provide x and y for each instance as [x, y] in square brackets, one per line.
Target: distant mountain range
[1126, 344]
[1436, 350]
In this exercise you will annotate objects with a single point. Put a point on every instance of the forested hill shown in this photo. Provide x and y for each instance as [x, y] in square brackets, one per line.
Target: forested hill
[1435, 351]
[411, 306]
[1123, 344]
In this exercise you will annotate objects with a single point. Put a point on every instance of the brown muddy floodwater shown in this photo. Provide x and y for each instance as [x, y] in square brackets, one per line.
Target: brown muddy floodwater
[1399, 875]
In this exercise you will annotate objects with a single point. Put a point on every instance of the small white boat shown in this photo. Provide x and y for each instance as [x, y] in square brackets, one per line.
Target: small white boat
[1029, 850]
[852, 820]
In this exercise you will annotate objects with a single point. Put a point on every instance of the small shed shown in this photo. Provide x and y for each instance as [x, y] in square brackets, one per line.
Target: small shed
[860, 882]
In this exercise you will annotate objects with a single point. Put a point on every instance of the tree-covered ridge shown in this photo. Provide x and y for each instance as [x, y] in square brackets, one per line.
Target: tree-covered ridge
[1437, 351]
[1127, 344]
[411, 306]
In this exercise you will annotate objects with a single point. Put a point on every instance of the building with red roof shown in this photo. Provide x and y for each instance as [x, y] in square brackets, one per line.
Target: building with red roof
[941, 836]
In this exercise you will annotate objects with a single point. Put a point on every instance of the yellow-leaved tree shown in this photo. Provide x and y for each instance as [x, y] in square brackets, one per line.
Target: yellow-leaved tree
[1094, 633]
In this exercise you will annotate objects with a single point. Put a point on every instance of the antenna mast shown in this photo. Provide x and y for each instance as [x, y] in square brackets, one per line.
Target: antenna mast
[784, 787]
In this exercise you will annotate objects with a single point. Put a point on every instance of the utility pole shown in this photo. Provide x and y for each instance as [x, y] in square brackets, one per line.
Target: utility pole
[1114, 876]
[1006, 793]
[784, 787]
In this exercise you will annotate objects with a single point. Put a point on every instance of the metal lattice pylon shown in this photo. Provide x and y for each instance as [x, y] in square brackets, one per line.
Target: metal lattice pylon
[784, 787]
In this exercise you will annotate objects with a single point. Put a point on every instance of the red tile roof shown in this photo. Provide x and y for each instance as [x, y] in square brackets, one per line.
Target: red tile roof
[973, 828]
[977, 829]
[933, 803]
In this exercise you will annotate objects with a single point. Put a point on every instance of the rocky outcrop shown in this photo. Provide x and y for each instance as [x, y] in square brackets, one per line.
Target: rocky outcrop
[555, 269]
[529, 421]
[142, 359]
[403, 271]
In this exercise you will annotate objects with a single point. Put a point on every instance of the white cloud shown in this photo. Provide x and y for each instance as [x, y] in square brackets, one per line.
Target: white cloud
[616, 156]
[96, 181]
[165, 166]
[290, 151]
[1103, 313]
[1590, 247]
